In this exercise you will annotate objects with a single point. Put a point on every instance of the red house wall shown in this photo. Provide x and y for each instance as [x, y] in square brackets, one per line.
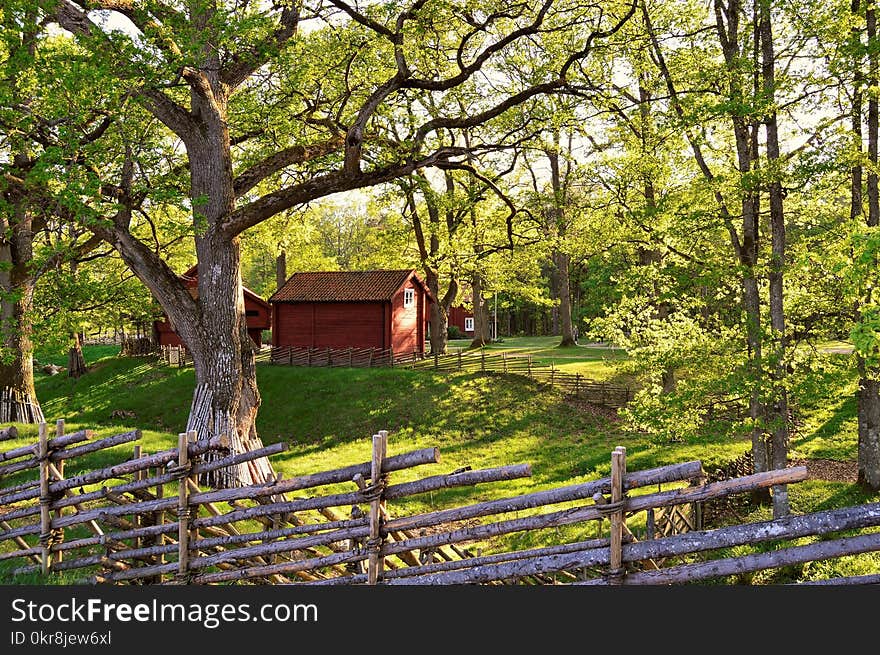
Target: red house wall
[408, 323]
[166, 336]
[259, 317]
[457, 314]
[330, 325]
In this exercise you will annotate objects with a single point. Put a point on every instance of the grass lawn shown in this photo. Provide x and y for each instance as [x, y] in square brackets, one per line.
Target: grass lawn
[327, 416]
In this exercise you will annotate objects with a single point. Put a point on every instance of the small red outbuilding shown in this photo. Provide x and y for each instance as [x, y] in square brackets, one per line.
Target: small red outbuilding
[463, 319]
[352, 309]
[257, 311]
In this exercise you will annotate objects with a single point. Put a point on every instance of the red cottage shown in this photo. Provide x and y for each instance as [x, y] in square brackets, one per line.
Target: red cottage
[462, 318]
[257, 311]
[352, 309]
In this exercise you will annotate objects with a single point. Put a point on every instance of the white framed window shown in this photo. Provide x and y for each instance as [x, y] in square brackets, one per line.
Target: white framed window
[469, 324]
[409, 297]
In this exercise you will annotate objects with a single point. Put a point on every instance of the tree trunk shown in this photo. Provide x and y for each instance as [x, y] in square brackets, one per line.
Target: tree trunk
[223, 355]
[868, 395]
[16, 308]
[746, 137]
[430, 253]
[280, 270]
[869, 433]
[76, 363]
[778, 374]
[213, 327]
[440, 310]
[562, 261]
[481, 318]
[17, 364]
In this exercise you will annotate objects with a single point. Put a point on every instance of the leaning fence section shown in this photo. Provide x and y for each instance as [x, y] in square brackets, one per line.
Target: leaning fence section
[146, 520]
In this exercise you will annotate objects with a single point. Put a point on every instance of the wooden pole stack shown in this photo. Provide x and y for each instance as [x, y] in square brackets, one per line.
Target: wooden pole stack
[18, 407]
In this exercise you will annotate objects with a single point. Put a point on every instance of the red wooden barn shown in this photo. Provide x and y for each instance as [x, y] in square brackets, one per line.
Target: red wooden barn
[352, 309]
[257, 311]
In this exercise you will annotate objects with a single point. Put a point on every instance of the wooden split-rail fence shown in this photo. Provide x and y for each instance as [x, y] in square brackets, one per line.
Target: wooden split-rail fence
[146, 520]
[334, 357]
[470, 361]
[137, 347]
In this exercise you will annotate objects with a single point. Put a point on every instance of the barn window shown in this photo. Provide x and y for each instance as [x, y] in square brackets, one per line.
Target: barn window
[469, 324]
[409, 297]
[251, 312]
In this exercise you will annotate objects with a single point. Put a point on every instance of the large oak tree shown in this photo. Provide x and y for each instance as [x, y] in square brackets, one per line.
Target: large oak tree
[279, 104]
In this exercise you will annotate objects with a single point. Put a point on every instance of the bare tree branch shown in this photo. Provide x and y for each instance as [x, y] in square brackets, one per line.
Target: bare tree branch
[280, 160]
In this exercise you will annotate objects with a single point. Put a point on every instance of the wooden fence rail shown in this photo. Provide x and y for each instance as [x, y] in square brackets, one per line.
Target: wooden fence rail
[146, 520]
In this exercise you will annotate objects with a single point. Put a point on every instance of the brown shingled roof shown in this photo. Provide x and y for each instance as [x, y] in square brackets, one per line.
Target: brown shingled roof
[343, 286]
[192, 276]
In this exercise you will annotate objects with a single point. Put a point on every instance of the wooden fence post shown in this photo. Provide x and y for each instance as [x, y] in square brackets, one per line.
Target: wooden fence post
[139, 475]
[436, 361]
[392, 357]
[159, 519]
[193, 539]
[459, 359]
[482, 359]
[577, 385]
[182, 507]
[59, 467]
[530, 366]
[377, 506]
[698, 516]
[618, 471]
[350, 360]
[45, 502]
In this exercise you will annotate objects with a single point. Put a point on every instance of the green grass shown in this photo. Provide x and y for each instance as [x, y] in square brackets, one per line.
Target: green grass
[327, 416]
